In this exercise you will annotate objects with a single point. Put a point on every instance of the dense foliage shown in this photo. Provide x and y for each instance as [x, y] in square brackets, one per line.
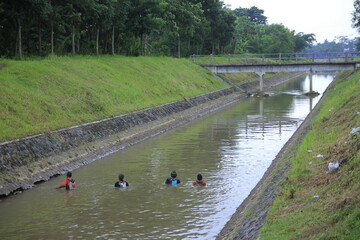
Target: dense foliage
[139, 27]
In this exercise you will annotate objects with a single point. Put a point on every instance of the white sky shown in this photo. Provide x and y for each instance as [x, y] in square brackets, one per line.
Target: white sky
[325, 18]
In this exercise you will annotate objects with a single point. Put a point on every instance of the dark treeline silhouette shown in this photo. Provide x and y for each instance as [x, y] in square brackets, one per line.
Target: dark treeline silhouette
[139, 27]
[341, 44]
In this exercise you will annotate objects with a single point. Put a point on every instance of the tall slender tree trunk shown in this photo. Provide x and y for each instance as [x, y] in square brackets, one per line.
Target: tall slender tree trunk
[113, 41]
[141, 45]
[106, 44]
[40, 41]
[97, 39]
[78, 41]
[73, 39]
[179, 47]
[189, 47]
[118, 44]
[52, 37]
[19, 42]
[145, 46]
[16, 43]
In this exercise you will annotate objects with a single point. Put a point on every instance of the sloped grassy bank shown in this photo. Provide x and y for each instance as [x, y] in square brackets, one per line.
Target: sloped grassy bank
[305, 201]
[313, 203]
[56, 92]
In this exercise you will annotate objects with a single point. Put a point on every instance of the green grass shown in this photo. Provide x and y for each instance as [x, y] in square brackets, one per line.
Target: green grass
[41, 95]
[313, 204]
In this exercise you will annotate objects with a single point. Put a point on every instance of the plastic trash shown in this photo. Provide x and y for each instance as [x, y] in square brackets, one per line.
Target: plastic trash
[319, 156]
[316, 196]
[355, 130]
[309, 151]
[333, 166]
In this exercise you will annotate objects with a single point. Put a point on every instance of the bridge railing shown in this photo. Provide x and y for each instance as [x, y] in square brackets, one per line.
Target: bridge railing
[275, 58]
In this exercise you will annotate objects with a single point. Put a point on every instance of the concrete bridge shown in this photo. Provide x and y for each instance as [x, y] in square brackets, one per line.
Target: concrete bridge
[262, 65]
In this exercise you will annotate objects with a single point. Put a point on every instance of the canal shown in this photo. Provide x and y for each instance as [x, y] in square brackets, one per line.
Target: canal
[231, 148]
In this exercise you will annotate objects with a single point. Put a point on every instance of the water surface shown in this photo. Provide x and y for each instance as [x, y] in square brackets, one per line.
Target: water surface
[232, 148]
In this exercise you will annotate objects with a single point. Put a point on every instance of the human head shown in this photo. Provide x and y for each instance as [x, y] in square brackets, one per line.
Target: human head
[199, 177]
[121, 176]
[68, 174]
[173, 174]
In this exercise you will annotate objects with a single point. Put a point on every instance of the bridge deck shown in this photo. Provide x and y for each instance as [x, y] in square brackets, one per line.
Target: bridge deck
[261, 68]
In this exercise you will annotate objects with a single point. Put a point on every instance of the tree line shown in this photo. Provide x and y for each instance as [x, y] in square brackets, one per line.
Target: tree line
[139, 27]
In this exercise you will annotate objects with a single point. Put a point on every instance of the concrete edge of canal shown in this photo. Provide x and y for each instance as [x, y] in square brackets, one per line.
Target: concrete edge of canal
[250, 216]
[26, 161]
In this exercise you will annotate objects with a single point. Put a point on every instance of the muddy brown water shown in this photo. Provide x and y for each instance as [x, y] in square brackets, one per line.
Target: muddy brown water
[231, 148]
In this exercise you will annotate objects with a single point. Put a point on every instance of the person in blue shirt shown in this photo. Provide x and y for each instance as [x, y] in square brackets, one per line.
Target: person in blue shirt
[172, 179]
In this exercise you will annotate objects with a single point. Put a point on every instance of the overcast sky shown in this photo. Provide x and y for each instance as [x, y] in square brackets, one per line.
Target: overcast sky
[325, 18]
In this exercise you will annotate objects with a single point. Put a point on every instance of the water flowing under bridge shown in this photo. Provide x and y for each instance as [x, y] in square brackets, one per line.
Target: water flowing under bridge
[291, 62]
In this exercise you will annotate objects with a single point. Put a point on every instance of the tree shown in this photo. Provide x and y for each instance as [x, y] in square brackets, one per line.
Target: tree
[55, 17]
[357, 44]
[225, 27]
[17, 15]
[356, 15]
[144, 17]
[275, 38]
[211, 11]
[138, 27]
[243, 34]
[303, 41]
[120, 9]
[254, 14]
[185, 19]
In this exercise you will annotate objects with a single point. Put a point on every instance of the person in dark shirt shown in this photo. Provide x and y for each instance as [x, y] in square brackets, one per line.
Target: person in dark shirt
[172, 179]
[199, 181]
[121, 183]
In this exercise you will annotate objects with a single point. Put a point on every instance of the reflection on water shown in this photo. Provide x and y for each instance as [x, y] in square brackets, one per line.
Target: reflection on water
[231, 148]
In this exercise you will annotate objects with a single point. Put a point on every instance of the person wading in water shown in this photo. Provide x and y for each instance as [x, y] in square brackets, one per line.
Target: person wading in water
[172, 179]
[69, 183]
[121, 183]
[199, 181]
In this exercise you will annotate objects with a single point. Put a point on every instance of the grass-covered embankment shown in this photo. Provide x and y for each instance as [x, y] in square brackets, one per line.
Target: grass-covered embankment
[313, 204]
[56, 92]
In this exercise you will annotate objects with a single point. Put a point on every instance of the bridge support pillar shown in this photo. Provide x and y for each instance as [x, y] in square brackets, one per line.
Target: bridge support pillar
[311, 73]
[311, 92]
[261, 74]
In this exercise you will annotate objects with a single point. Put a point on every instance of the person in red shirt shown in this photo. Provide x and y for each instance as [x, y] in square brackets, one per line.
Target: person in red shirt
[199, 181]
[69, 183]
